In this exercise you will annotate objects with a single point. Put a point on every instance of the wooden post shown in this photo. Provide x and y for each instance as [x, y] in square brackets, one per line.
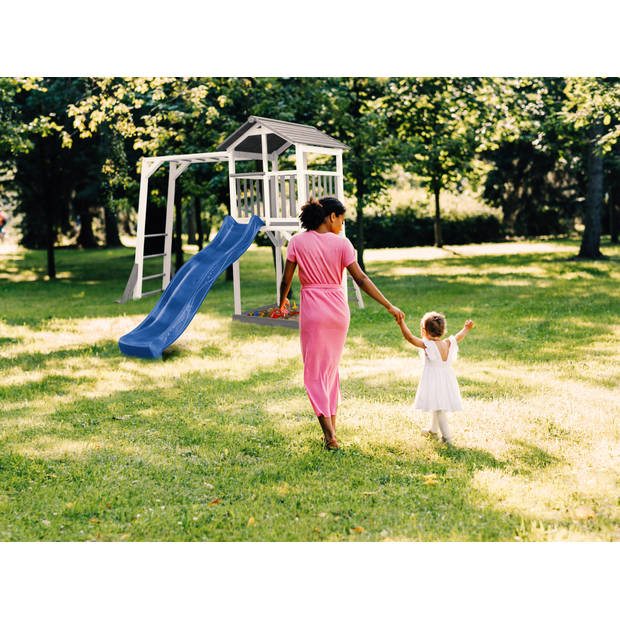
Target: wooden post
[340, 196]
[172, 177]
[339, 178]
[266, 188]
[274, 187]
[142, 202]
[234, 213]
[278, 248]
[300, 166]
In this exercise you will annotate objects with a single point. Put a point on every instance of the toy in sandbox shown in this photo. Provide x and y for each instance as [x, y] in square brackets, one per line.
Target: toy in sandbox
[268, 201]
[271, 315]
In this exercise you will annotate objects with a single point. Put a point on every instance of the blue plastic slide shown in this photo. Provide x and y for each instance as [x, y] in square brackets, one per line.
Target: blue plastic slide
[187, 290]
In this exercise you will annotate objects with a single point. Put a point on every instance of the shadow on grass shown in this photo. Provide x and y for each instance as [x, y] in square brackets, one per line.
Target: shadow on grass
[530, 458]
[563, 320]
[105, 349]
[224, 469]
[56, 385]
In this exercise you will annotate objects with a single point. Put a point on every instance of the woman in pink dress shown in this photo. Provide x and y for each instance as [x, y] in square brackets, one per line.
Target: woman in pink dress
[324, 315]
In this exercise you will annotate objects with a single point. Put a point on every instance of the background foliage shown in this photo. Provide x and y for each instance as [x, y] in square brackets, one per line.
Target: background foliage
[542, 152]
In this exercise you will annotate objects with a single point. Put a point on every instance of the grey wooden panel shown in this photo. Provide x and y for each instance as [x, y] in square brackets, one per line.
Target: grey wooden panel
[239, 197]
[273, 196]
[292, 180]
[260, 205]
[283, 197]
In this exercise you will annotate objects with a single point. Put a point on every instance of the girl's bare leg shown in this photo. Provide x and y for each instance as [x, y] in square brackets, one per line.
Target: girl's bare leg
[442, 420]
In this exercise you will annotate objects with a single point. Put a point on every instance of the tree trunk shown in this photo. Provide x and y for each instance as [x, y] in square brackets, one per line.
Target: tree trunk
[112, 238]
[198, 219]
[206, 233]
[51, 238]
[591, 241]
[86, 237]
[613, 221]
[437, 224]
[359, 195]
[178, 222]
[191, 223]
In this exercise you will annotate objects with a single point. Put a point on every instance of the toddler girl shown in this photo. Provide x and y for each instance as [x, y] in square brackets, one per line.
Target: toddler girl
[438, 391]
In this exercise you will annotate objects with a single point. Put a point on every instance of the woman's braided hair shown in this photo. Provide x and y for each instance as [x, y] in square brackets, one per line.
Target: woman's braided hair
[434, 323]
[315, 211]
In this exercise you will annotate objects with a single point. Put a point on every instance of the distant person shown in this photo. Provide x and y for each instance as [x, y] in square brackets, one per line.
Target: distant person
[438, 390]
[322, 255]
[3, 219]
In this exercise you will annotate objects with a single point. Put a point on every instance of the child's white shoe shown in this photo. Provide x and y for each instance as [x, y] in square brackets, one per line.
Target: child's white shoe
[427, 432]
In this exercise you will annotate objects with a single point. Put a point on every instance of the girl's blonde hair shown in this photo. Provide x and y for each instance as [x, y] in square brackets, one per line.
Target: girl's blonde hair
[434, 324]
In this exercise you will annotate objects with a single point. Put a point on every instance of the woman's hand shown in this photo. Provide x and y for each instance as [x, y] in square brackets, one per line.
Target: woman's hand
[397, 313]
[285, 307]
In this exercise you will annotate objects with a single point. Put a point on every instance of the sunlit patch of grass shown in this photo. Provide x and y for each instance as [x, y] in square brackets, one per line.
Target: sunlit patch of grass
[51, 447]
[217, 440]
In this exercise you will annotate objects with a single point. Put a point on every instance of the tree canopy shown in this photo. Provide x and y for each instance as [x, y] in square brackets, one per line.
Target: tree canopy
[544, 149]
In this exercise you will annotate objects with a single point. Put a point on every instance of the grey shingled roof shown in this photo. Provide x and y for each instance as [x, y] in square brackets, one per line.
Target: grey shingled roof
[283, 132]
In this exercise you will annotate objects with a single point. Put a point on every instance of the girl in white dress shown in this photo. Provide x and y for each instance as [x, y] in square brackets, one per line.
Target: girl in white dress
[438, 391]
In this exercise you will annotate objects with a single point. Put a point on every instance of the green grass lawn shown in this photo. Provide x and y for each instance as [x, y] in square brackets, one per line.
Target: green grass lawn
[218, 442]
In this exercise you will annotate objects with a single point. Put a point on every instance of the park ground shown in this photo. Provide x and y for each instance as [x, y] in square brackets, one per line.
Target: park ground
[217, 441]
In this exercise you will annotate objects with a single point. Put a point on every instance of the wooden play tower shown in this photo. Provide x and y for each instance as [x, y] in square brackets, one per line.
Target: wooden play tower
[275, 195]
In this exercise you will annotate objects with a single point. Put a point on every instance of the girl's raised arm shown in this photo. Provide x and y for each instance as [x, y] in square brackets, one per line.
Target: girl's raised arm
[468, 325]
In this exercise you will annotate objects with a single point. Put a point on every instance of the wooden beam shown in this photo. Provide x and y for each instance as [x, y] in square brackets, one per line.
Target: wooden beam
[172, 177]
[300, 166]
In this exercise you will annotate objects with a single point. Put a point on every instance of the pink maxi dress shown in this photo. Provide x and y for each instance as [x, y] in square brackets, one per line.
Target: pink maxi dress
[323, 314]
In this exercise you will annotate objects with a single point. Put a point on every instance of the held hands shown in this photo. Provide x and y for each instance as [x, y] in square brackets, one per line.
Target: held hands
[468, 324]
[397, 313]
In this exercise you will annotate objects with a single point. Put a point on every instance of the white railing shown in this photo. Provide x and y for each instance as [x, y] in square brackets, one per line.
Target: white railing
[283, 193]
[320, 183]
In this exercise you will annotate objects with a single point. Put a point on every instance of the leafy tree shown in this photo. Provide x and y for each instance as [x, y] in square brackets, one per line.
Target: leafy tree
[164, 115]
[440, 123]
[612, 183]
[592, 104]
[353, 110]
[14, 134]
[148, 116]
[536, 175]
[54, 182]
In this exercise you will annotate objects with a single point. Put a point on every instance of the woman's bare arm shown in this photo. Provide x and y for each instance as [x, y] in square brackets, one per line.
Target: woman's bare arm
[287, 279]
[367, 285]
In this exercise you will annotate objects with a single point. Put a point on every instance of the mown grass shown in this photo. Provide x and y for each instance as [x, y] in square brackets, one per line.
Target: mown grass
[217, 441]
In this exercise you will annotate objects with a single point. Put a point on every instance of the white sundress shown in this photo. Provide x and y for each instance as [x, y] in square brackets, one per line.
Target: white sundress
[438, 389]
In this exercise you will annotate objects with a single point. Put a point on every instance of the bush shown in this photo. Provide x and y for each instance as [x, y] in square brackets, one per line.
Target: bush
[406, 228]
